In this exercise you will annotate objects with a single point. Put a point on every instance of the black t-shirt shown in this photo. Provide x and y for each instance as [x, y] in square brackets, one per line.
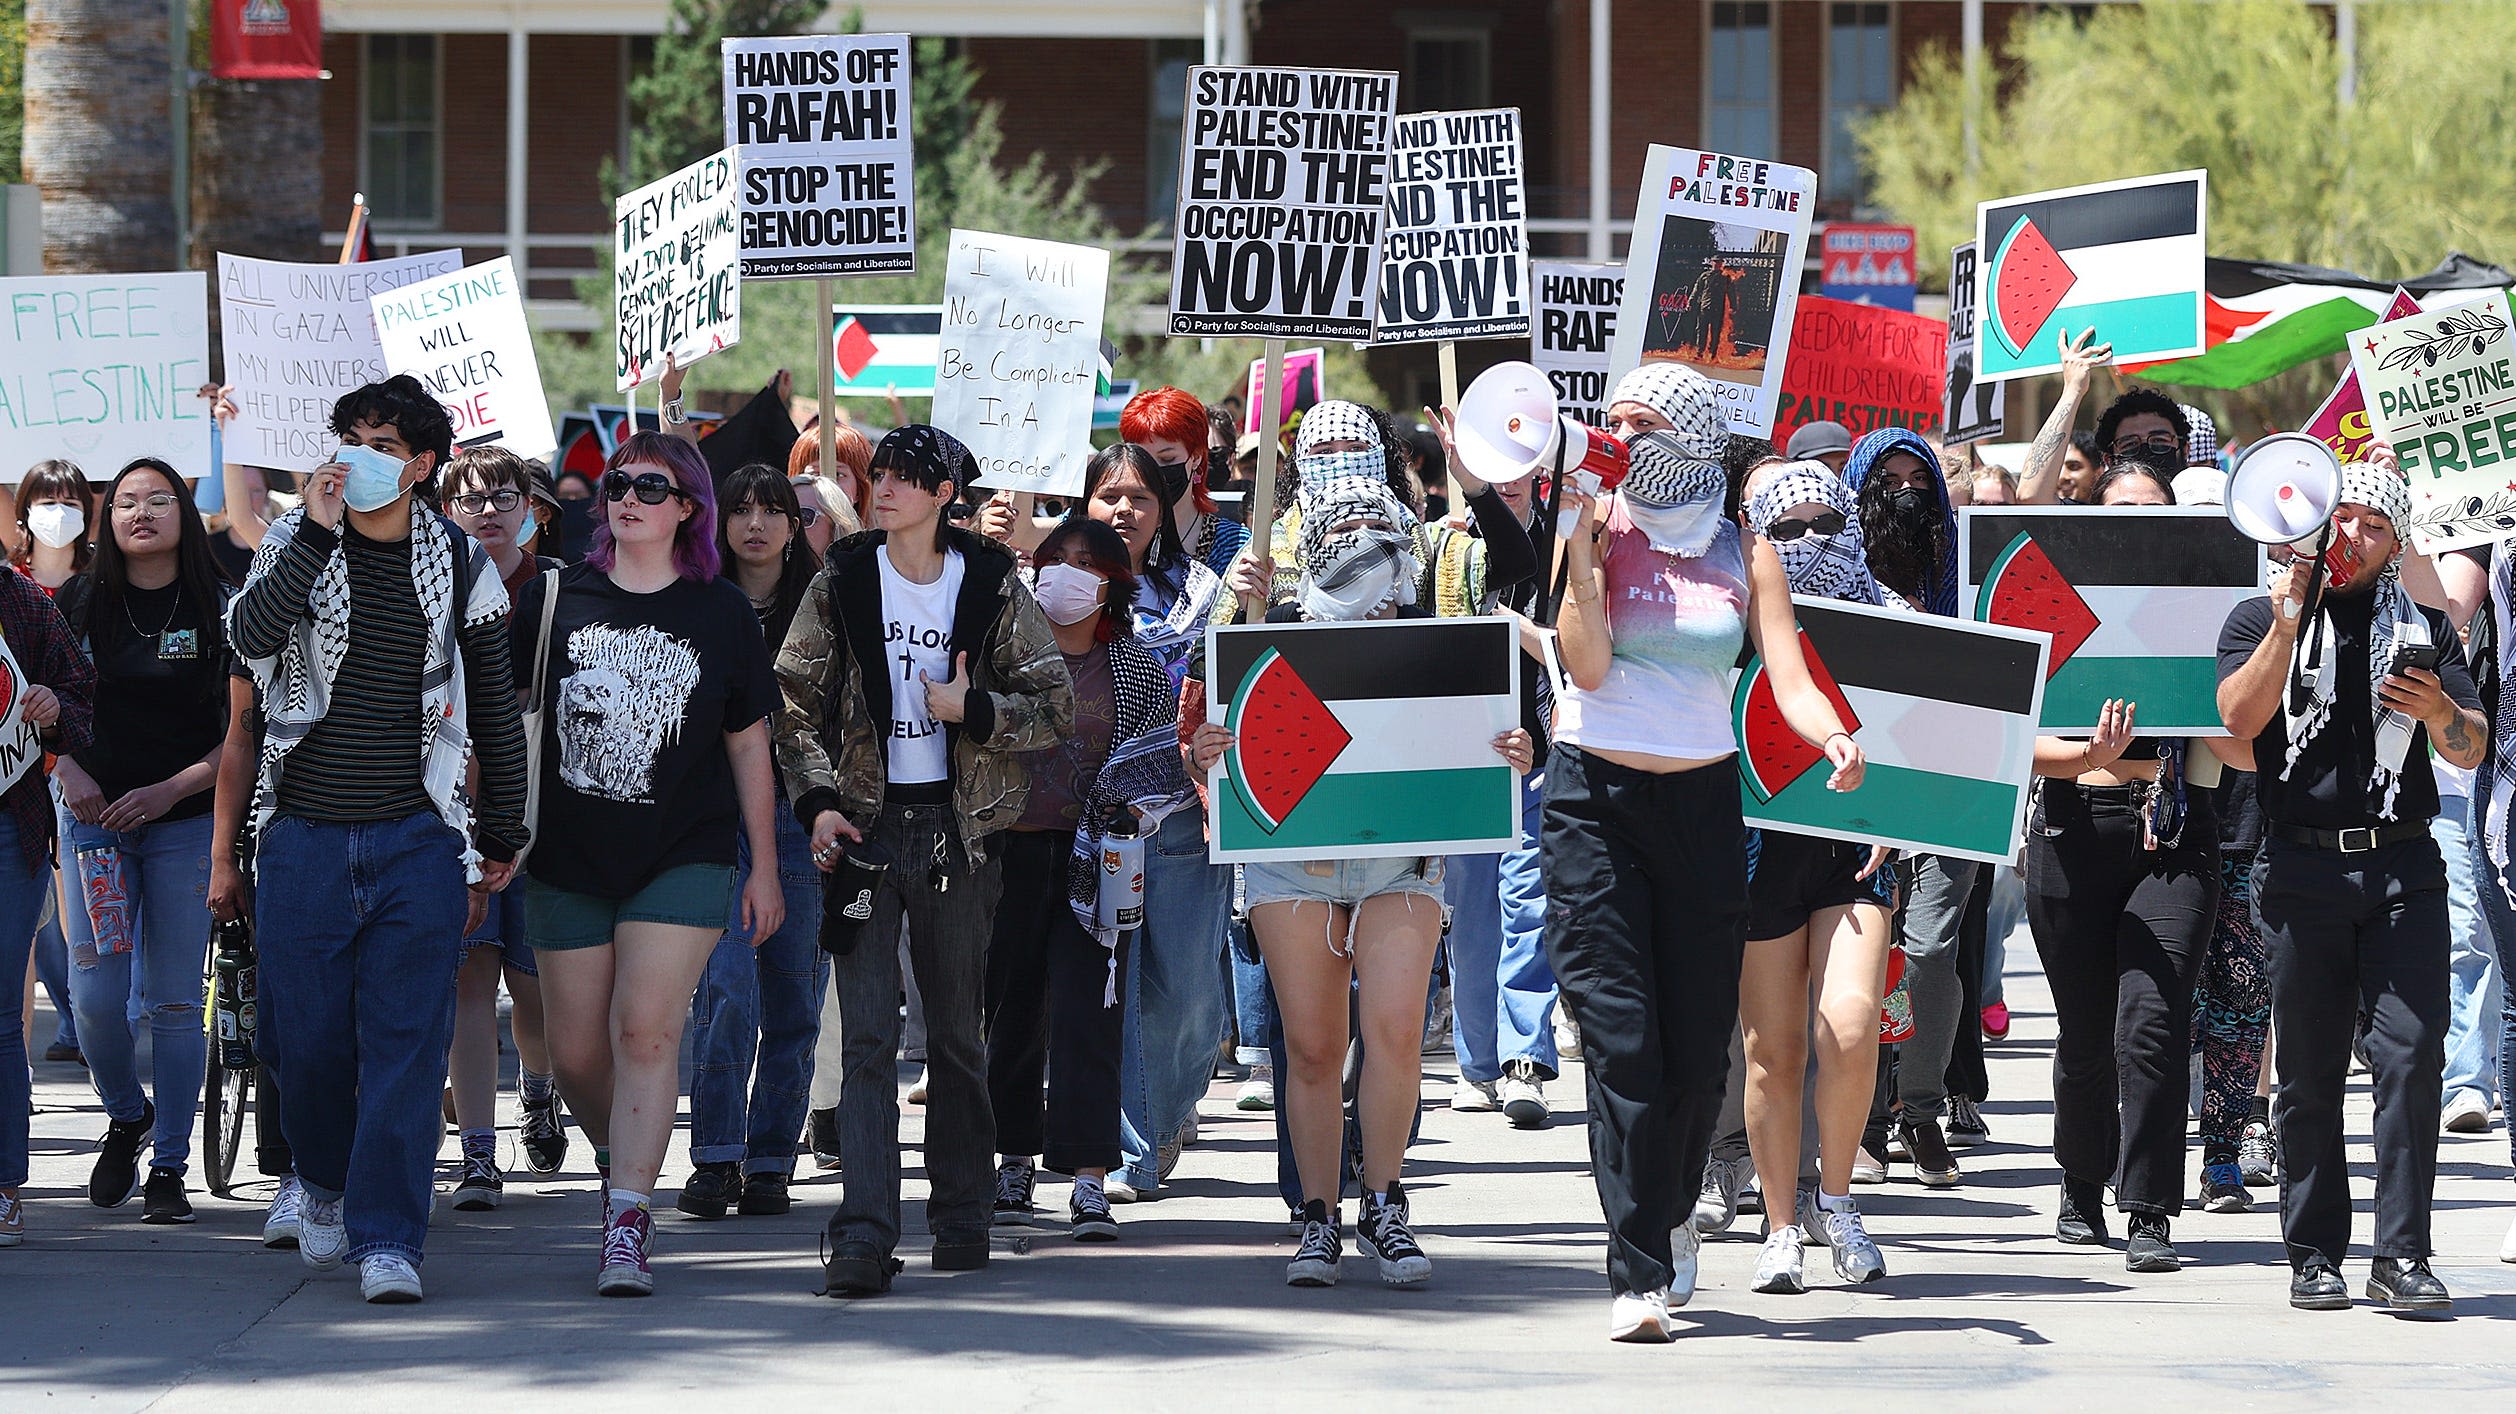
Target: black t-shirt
[161, 693]
[234, 561]
[2328, 787]
[642, 690]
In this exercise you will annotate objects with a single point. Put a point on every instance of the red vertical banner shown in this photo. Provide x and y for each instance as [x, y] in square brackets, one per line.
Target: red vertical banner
[1864, 366]
[266, 39]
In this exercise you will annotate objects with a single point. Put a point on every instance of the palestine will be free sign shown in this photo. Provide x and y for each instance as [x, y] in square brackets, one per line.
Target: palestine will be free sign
[1283, 195]
[1456, 264]
[822, 125]
[2442, 386]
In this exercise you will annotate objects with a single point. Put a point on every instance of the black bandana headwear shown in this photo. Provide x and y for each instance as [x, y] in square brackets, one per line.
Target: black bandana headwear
[926, 455]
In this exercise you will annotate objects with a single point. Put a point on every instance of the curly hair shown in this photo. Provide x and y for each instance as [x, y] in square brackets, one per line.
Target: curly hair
[2132, 404]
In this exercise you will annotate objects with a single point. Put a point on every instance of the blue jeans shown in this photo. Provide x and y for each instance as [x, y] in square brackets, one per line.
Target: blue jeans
[760, 1004]
[2498, 929]
[1175, 1003]
[2009, 907]
[1253, 1003]
[167, 865]
[1502, 994]
[52, 966]
[360, 929]
[21, 901]
[2473, 1024]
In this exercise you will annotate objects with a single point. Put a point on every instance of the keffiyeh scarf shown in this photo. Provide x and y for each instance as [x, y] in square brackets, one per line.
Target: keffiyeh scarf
[1334, 560]
[2202, 446]
[2308, 706]
[1669, 389]
[1674, 481]
[1143, 771]
[1824, 566]
[1339, 421]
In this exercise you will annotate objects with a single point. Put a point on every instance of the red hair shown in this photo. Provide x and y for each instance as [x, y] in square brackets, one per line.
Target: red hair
[1174, 415]
[854, 453]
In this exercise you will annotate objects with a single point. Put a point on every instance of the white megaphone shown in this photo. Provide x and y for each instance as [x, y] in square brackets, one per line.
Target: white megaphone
[2284, 490]
[1508, 428]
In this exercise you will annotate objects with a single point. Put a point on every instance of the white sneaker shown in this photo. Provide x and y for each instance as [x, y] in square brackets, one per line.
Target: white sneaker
[387, 1279]
[2470, 1114]
[1474, 1096]
[1716, 1207]
[1258, 1091]
[1812, 1222]
[1567, 1037]
[1522, 1095]
[280, 1223]
[321, 1234]
[2507, 1249]
[1639, 1318]
[1118, 1190]
[917, 1087]
[1685, 1245]
[1778, 1264]
[1857, 1258]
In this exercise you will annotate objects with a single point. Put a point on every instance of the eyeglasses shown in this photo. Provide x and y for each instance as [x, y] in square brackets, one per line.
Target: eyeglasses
[1822, 523]
[653, 487]
[473, 503]
[2163, 440]
[154, 508]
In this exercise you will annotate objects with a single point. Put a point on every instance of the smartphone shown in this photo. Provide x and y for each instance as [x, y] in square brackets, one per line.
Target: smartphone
[2423, 656]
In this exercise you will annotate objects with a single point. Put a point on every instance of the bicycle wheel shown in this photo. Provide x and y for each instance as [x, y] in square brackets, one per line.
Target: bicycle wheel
[226, 1098]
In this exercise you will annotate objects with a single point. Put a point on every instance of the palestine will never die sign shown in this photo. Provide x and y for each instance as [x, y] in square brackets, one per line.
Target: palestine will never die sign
[1363, 740]
[1457, 262]
[1283, 196]
[822, 125]
[2442, 388]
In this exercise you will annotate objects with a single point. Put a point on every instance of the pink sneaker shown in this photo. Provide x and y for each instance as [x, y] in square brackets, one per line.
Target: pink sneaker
[1996, 1022]
[625, 1241]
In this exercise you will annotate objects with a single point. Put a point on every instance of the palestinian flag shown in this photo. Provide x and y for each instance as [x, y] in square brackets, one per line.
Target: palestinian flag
[885, 349]
[1364, 740]
[1945, 712]
[2133, 598]
[2265, 318]
[2123, 258]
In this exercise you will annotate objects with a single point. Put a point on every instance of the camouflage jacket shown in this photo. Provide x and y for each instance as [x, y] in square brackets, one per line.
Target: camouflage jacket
[836, 713]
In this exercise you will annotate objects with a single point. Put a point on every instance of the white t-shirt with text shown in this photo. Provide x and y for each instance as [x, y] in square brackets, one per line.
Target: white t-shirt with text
[917, 637]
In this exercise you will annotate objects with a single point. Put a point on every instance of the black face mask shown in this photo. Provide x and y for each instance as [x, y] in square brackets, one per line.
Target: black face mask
[1174, 479]
[1910, 502]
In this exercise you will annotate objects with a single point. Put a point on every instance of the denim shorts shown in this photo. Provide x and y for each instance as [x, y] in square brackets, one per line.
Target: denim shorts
[502, 927]
[685, 896]
[1343, 882]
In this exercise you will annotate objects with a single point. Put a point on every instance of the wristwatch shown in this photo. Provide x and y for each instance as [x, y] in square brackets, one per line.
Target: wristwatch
[673, 415]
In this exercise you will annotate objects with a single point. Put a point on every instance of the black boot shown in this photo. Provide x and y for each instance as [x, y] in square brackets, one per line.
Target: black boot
[710, 1189]
[2406, 1286]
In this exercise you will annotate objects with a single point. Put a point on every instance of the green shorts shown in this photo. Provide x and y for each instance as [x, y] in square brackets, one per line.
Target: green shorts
[685, 896]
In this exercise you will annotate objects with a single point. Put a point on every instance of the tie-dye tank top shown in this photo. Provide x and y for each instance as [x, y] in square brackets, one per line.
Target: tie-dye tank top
[1677, 625]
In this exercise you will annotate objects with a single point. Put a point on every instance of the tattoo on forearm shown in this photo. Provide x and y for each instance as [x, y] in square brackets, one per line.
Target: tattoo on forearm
[2458, 736]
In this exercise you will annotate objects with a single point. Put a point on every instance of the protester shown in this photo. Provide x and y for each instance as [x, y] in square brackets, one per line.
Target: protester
[2350, 887]
[1827, 442]
[759, 1002]
[488, 493]
[373, 629]
[907, 737]
[1173, 426]
[1054, 964]
[1645, 853]
[55, 506]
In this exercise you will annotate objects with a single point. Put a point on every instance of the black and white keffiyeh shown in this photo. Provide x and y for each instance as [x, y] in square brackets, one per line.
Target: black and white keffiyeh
[1337, 420]
[1824, 566]
[2308, 706]
[1336, 555]
[2202, 446]
[1143, 771]
[1674, 391]
[2500, 793]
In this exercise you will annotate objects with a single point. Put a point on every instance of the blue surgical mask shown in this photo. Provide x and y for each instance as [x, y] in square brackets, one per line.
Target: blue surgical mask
[375, 478]
[524, 532]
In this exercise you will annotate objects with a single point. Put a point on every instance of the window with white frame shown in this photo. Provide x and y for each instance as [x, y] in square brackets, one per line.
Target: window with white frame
[1170, 60]
[401, 133]
[1738, 80]
[1860, 80]
[1448, 67]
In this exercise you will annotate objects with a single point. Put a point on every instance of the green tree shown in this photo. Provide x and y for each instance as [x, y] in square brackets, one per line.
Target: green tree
[12, 86]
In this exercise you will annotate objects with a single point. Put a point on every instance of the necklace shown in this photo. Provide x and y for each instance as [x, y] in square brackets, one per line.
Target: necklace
[171, 643]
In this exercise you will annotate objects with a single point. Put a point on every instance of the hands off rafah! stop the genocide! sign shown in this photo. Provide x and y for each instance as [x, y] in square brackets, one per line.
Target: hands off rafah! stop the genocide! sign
[1283, 195]
[822, 126]
[1457, 259]
[1576, 324]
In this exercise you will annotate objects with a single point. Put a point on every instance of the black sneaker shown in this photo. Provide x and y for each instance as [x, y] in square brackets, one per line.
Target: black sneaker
[765, 1195]
[823, 1130]
[960, 1251]
[710, 1190]
[2406, 1286]
[2257, 1155]
[2148, 1249]
[2223, 1189]
[2318, 1286]
[1382, 1233]
[1316, 1263]
[1088, 1214]
[163, 1201]
[857, 1268]
[59, 1051]
[117, 1173]
[1015, 1178]
[1965, 1124]
[1932, 1163]
[545, 1139]
[2082, 1220]
[482, 1186]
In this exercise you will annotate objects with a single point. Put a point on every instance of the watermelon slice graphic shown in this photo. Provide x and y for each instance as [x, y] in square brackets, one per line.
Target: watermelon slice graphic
[1771, 755]
[2022, 589]
[1285, 739]
[2029, 280]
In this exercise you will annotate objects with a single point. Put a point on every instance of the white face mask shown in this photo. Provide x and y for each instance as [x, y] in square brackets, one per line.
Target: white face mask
[56, 523]
[1359, 596]
[1068, 594]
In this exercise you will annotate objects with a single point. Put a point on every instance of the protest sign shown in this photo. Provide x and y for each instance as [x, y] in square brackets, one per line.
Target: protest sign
[2122, 258]
[464, 336]
[20, 748]
[886, 350]
[1945, 712]
[2442, 388]
[1866, 264]
[2132, 595]
[1020, 356]
[1456, 265]
[2341, 423]
[99, 369]
[1575, 324]
[1283, 195]
[296, 338]
[1714, 273]
[676, 286]
[821, 126]
[1301, 386]
[1108, 407]
[1364, 740]
[1975, 410]
[1863, 365]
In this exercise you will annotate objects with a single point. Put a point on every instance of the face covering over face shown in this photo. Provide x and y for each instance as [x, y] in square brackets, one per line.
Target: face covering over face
[1174, 479]
[375, 478]
[1068, 594]
[1357, 552]
[56, 523]
[1827, 566]
[1672, 495]
[524, 533]
[1339, 421]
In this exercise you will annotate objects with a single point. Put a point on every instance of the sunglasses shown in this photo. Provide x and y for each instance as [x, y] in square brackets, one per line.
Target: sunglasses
[1823, 523]
[652, 487]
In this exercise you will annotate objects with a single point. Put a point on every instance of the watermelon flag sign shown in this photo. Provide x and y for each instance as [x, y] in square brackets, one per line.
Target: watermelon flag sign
[1364, 740]
[2122, 258]
[1945, 711]
[2133, 597]
[886, 349]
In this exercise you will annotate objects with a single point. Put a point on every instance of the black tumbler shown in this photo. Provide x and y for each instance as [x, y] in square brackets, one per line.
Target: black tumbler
[847, 894]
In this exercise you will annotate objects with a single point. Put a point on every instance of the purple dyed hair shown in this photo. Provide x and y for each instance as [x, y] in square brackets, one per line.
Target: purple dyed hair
[694, 545]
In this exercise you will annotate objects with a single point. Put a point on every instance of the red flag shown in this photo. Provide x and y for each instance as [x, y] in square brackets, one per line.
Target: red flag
[266, 39]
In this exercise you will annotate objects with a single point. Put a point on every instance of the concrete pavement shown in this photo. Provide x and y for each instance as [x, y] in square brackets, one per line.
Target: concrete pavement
[98, 1311]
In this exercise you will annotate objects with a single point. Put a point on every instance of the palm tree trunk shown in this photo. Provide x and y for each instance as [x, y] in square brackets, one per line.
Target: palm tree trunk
[98, 120]
[257, 170]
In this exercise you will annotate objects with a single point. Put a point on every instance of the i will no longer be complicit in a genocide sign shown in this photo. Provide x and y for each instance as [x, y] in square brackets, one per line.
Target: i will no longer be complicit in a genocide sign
[822, 125]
